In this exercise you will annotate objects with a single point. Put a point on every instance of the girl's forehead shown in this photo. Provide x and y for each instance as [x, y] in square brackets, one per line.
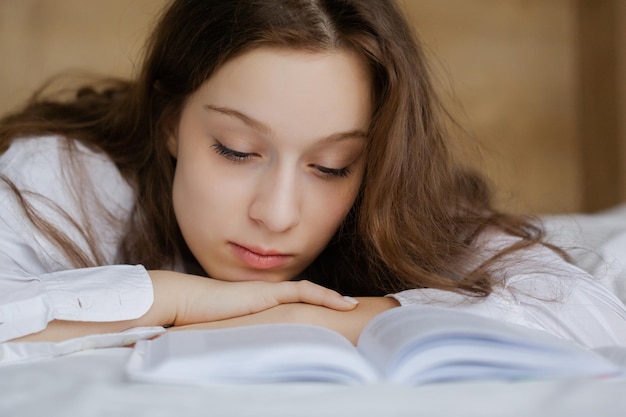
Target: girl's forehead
[298, 79]
[290, 93]
[282, 55]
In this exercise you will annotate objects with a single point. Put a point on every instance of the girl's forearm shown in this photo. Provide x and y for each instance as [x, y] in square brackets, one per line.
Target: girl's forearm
[348, 323]
[181, 299]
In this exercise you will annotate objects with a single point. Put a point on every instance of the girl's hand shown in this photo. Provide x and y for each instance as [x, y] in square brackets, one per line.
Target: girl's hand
[181, 299]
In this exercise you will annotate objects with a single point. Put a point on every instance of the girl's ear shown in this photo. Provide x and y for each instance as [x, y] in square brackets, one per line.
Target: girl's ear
[169, 125]
[170, 131]
[172, 144]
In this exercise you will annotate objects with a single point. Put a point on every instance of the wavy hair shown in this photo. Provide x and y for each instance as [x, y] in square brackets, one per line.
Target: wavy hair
[419, 211]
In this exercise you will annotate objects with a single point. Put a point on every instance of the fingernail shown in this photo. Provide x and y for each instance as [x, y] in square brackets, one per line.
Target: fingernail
[350, 299]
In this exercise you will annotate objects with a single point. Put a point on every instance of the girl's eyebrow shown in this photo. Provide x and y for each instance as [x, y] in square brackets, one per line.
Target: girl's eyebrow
[266, 130]
[251, 122]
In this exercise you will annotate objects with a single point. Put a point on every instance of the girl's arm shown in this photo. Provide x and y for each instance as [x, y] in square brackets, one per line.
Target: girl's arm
[181, 299]
[348, 323]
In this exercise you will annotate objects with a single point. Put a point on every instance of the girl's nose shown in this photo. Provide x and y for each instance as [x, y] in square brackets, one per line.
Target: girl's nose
[276, 202]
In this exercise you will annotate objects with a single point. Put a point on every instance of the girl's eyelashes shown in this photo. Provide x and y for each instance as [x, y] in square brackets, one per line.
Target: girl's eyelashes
[333, 172]
[237, 156]
[231, 154]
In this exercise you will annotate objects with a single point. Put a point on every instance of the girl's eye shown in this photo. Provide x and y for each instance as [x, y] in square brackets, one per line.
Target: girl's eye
[332, 172]
[231, 154]
[237, 156]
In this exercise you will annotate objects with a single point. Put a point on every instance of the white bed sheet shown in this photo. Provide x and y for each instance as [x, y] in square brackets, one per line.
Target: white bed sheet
[92, 383]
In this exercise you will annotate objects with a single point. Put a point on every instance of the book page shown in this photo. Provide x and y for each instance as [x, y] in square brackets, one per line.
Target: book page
[252, 354]
[420, 344]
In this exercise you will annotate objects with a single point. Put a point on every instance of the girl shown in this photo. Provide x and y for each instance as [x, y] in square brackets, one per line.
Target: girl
[268, 150]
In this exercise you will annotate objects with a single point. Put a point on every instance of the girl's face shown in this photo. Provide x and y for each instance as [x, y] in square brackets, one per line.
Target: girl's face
[270, 156]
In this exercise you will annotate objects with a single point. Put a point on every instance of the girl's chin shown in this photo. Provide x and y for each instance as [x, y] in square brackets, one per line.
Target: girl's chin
[245, 275]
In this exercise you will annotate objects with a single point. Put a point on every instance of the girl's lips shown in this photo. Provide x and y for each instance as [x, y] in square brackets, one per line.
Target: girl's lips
[257, 260]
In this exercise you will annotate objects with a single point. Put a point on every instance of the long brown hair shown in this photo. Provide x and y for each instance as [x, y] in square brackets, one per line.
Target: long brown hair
[418, 212]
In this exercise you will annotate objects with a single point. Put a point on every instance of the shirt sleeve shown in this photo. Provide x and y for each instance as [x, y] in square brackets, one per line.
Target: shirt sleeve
[540, 290]
[100, 294]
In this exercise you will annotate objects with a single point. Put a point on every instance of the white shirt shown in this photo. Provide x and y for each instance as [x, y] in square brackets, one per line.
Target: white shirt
[38, 283]
[543, 292]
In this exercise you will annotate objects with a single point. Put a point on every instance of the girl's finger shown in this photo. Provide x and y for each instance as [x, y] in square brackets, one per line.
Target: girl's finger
[310, 293]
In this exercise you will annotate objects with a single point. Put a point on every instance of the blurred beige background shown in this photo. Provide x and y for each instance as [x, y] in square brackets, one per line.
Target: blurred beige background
[539, 83]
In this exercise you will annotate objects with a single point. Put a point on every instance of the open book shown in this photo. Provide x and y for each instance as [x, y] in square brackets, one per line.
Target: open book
[406, 345]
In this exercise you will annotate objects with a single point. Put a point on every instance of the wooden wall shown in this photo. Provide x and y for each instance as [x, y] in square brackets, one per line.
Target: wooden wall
[602, 106]
[539, 83]
[40, 38]
[542, 86]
